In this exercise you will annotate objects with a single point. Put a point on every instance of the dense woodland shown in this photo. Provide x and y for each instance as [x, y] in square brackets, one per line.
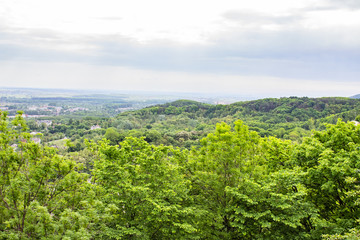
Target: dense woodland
[183, 123]
[283, 168]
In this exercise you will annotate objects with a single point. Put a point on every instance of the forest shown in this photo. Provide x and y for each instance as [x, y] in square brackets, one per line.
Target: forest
[284, 168]
[184, 123]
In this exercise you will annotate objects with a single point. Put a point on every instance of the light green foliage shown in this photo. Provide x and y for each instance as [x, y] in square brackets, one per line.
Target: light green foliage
[273, 208]
[328, 159]
[277, 153]
[240, 187]
[113, 136]
[354, 233]
[232, 184]
[41, 194]
[146, 186]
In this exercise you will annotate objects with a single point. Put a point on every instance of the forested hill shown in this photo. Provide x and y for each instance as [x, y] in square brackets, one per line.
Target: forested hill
[295, 108]
[233, 184]
[288, 118]
[356, 96]
[183, 123]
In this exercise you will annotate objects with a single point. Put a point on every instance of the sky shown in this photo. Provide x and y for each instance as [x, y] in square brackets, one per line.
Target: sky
[256, 48]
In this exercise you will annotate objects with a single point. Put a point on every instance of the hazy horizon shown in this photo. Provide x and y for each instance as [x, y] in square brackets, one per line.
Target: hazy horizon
[177, 95]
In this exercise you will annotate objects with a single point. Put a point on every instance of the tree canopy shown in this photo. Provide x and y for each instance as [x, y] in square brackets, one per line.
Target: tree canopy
[233, 184]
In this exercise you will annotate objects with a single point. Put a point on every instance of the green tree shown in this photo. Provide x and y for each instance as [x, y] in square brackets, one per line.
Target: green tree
[113, 136]
[145, 184]
[354, 233]
[42, 196]
[357, 118]
[246, 192]
[225, 158]
[328, 159]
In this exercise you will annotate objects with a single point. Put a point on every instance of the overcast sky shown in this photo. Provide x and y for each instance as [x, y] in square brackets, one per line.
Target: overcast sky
[255, 48]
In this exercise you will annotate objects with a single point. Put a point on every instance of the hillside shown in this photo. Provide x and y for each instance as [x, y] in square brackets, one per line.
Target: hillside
[230, 172]
[236, 185]
[183, 123]
[355, 96]
[186, 121]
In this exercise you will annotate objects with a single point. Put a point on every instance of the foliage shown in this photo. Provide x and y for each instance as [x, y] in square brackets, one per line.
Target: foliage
[329, 158]
[145, 185]
[42, 195]
[244, 195]
[230, 181]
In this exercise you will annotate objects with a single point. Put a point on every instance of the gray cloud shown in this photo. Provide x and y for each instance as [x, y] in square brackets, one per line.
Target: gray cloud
[42, 45]
[292, 52]
[350, 4]
[331, 5]
[251, 17]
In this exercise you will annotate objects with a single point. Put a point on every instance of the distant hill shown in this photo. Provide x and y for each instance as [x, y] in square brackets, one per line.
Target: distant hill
[288, 118]
[292, 108]
[355, 96]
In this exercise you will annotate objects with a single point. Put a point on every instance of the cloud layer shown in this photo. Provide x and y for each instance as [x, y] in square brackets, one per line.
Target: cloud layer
[280, 45]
